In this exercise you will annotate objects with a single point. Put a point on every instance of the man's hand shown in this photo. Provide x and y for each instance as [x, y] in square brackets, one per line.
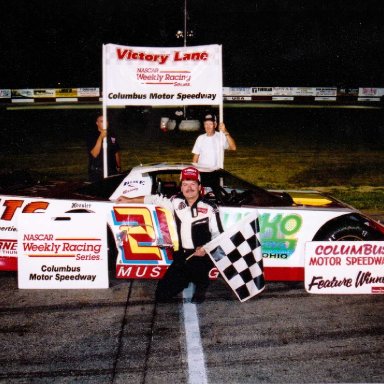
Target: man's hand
[200, 252]
[222, 128]
[122, 199]
[134, 200]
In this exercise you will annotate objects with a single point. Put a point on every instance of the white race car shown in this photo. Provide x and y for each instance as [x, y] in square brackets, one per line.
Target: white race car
[141, 238]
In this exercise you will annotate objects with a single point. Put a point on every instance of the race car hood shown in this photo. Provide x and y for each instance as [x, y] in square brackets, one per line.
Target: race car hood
[315, 199]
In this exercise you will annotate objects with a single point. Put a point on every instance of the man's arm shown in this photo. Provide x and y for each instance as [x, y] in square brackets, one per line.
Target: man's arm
[118, 160]
[230, 139]
[135, 200]
[160, 200]
[196, 150]
[95, 151]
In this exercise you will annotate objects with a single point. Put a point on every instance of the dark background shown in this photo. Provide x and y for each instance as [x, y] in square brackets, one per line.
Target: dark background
[265, 42]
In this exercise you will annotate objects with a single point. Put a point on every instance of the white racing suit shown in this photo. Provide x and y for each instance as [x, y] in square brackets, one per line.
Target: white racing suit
[196, 226]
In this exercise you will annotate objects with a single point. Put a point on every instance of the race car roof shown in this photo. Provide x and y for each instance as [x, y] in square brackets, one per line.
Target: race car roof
[144, 168]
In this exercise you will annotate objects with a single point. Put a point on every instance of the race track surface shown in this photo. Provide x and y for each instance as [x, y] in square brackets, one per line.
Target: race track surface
[120, 335]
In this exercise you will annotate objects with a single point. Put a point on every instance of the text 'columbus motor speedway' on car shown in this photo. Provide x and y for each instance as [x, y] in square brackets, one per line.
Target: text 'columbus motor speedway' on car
[142, 237]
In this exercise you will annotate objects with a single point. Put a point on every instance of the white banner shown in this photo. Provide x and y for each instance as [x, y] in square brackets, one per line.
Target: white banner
[344, 267]
[63, 252]
[162, 76]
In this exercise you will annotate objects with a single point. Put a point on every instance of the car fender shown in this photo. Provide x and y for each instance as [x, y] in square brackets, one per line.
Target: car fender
[370, 229]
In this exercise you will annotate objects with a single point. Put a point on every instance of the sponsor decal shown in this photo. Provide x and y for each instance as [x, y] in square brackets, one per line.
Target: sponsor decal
[10, 228]
[131, 183]
[202, 210]
[347, 268]
[238, 98]
[149, 272]
[44, 93]
[66, 92]
[8, 248]
[5, 93]
[283, 91]
[278, 232]
[181, 206]
[141, 187]
[63, 254]
[237, 91]
[80, 205]
[378, 92]
[88, 92]
[326, 92]
[12, 206]
[20, 93]
[140, 271]
[264, 91]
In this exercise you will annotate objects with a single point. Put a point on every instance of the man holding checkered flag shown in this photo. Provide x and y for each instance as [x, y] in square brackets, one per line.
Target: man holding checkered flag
[237, 255]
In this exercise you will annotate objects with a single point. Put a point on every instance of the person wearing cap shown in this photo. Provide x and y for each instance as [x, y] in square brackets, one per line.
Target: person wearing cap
[209, 147]
[198, 222]
[95, 142]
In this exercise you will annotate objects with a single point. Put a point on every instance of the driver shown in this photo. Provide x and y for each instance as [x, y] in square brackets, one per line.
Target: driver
[198, 222]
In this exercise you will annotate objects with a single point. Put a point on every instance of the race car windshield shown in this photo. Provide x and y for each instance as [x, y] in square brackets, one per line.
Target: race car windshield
[227, 181]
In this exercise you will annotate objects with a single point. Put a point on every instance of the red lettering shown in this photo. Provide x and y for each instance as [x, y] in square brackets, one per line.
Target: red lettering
[10, 208]
[12, 205]
[35, 206]
[121, 53]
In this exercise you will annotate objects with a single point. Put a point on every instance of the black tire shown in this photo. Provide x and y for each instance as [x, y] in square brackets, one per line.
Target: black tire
[353, 232]
[112, 251]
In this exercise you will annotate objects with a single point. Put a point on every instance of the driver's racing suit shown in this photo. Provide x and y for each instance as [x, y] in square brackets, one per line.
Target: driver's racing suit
[196, 226]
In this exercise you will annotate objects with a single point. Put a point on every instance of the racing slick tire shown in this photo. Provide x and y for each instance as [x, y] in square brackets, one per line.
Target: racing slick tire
[347, 232]
[112, 251]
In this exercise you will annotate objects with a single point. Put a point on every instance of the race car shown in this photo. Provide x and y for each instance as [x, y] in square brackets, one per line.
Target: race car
[142, 238]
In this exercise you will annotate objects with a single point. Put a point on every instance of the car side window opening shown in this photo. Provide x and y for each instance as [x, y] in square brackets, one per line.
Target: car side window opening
[166, 184]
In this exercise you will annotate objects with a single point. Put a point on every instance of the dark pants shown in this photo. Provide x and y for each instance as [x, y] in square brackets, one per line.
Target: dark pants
[182, 272]
[95, 174]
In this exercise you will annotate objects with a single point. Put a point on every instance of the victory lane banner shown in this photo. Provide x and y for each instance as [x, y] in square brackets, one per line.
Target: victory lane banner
[162, 76]
[63, 252]
[344, 267]
[236, 253]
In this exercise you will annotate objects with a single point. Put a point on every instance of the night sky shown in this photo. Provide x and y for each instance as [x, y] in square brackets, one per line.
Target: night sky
[51, 43]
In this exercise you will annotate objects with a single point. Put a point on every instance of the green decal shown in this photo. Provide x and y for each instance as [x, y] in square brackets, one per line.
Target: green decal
[278, 234]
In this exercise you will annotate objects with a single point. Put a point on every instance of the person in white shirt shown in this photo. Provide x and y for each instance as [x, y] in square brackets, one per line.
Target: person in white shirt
[209, 147]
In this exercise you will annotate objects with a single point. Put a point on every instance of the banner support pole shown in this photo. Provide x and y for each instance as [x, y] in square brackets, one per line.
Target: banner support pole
[104, 96]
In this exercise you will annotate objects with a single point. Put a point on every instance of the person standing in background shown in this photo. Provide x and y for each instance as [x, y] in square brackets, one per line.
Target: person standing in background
[95, 151]
[209, 147]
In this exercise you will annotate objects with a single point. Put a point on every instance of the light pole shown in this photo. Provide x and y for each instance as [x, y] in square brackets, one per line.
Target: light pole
[184, 33]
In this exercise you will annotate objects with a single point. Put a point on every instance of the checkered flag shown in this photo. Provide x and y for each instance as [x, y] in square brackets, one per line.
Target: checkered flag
[237, 255]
